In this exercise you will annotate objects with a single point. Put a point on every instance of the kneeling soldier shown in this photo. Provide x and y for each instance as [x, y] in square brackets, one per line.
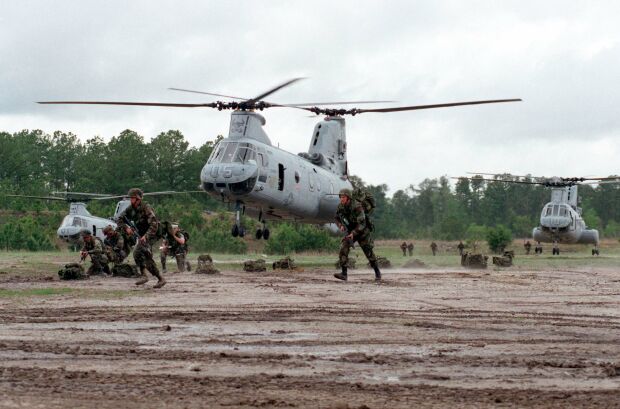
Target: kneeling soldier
[174, 244]
[93, 247]
[351, 218]
[114, 245]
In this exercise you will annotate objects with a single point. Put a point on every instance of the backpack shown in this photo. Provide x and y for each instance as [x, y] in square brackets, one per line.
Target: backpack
[366, 199]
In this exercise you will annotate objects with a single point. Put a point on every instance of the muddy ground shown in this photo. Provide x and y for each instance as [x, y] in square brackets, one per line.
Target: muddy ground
[422, 338]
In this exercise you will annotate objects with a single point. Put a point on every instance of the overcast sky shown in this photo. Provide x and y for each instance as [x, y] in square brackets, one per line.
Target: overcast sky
[561, 57]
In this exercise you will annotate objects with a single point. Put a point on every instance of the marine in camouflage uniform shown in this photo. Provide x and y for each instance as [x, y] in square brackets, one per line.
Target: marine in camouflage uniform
[93, 247]
[351, 218]
[174, 245]
[114, 244]
[410, 248]
[403, 247]
[461, 247]
[528, 247]
[434, 248]
[147, 225]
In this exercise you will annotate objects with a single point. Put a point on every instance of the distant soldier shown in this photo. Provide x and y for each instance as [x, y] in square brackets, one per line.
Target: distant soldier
[403, 247]
[410, 248]
[461, 247]
[175, 245]
[434, 247]
[114, 245]
[528, 247]
[352, 219]
[538, 249]
[93, 247]
[139, 219]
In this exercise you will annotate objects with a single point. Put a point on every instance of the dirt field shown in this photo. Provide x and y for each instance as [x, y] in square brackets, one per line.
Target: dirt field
[436, 337]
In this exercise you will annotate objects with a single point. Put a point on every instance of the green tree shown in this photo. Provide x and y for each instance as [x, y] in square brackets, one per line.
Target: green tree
[498, 238]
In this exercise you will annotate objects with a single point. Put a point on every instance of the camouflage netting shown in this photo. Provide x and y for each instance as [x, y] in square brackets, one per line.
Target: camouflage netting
[474, 260]
[382, 262]
[73, 271]
[255, 265]
[415, 263]
[350, 263]
[286, 263]
[205, 265]
[505, 260]
[125, 270]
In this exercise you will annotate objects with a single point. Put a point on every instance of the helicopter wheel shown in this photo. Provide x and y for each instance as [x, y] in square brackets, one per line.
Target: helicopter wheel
[259, 234]
[241, 232]
[266, 234]
[235, 230]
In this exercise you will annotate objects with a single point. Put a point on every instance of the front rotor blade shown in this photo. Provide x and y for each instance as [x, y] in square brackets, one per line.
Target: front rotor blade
[451, 104]
[66, 193]
[271, 91]
[501, 180]
[148, 104]
[41, 197]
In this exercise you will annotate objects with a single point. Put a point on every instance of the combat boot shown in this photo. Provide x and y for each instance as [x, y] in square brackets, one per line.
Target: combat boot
[160, 282]
[343, 275]
[143, 278]
[377, 271]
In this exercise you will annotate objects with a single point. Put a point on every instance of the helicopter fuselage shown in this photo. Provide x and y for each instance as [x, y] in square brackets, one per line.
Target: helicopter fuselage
[274, 184]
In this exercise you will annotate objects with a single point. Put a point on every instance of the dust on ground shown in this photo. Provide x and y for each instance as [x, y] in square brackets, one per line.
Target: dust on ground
[422, 338]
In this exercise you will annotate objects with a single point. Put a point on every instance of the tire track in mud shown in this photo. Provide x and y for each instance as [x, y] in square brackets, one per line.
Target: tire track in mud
[88, 388]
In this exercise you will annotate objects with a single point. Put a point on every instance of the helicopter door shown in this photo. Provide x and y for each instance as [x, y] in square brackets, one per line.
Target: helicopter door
[280, 176]
[94, 230]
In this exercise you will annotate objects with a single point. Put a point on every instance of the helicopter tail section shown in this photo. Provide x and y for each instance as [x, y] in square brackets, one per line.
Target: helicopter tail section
[328, 146]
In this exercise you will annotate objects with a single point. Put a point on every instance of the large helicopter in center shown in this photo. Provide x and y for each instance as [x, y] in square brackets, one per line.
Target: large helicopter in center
[270, 183]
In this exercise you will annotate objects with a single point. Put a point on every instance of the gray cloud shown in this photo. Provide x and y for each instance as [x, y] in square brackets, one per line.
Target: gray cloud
[562, 58]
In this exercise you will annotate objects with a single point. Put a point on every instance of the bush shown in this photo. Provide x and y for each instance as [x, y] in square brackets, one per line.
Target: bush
[498, 238]
[288, 238]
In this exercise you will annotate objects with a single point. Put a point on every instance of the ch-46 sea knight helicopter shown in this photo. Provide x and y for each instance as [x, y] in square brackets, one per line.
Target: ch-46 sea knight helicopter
[560, 219]
[80, 218]
[270, 183]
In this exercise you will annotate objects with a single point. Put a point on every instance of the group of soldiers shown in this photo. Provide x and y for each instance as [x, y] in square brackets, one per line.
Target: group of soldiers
[406, 248]
[138, 227]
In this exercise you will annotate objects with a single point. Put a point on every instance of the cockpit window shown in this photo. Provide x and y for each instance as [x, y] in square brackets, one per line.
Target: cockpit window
[218, 151]
[245, 153]
[563, 210]
[549, 209]
[78, 222]
[555, 209]
[229, 152]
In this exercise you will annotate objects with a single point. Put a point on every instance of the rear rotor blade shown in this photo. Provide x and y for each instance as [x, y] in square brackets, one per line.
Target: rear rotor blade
[207, 93]
[305, 104]
[41, 197]
[451, 104]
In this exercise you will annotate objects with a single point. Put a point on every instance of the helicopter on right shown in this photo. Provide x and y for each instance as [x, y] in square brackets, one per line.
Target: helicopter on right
[561, 218]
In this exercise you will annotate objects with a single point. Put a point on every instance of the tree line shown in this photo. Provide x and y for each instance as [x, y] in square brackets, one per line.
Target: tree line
[36, 163]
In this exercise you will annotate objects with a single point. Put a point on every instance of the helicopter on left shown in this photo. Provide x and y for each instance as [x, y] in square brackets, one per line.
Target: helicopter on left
[79, 218]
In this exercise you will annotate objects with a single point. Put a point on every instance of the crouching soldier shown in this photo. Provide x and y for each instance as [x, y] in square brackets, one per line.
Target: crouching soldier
[139, 219]
[351, 219]
[93, 247]
[114, 245]
[174, 245]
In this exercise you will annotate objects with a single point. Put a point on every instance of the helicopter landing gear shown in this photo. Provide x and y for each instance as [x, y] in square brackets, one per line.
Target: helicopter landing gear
[237, 229]
[263, 233]
[595, 251]
[556, 250]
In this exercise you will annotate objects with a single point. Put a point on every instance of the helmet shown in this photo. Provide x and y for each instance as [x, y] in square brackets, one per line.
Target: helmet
[345, 192]
[108, 229]
[135, 192]
[85, 233]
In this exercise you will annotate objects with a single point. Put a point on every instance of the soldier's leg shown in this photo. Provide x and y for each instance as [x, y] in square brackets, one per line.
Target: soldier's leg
[139, 256]
[180, 257]
[96, 266]
[162, 258]
[343, 259]
[367, 245]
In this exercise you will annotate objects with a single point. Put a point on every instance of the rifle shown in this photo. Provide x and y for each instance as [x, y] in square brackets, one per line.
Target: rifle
[134, 228]
[350, 241]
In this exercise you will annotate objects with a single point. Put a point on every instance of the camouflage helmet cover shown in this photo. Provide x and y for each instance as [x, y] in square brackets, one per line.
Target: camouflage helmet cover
[108, 229]
[85, 233]
[345, 192]
[135, 192]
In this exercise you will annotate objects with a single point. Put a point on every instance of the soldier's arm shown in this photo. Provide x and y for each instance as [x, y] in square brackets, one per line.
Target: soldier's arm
[180, 238]
[97, 248]
[360, 219]
[121, 219]
[151, 233]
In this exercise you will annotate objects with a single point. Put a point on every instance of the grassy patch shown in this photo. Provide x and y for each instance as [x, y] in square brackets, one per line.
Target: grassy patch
[35, 292]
